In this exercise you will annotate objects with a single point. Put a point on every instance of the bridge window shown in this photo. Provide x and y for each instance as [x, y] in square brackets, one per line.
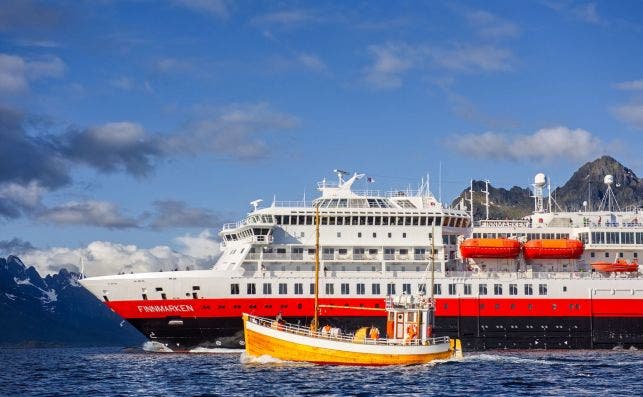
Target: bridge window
[234, 289]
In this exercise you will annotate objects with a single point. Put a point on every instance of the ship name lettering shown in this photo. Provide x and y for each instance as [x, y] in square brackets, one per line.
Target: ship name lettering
[165, 308]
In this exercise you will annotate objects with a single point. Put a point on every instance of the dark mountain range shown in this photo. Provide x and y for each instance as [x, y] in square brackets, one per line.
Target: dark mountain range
[55, 311]
[586, 184]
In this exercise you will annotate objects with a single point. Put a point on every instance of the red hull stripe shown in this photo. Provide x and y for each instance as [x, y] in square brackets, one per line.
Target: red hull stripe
[301, 307]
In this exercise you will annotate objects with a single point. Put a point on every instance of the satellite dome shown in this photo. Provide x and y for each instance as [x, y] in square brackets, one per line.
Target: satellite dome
[608, 180]
[540, 180]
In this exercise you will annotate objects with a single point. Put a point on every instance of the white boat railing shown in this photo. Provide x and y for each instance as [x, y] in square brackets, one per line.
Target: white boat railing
[343, 337]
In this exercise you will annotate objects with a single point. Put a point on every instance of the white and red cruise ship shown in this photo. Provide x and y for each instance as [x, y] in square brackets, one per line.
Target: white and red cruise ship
[528, 283]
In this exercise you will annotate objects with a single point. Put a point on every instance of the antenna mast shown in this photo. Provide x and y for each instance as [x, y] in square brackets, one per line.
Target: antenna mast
[315, 324]
[486, 194]
[471, 201]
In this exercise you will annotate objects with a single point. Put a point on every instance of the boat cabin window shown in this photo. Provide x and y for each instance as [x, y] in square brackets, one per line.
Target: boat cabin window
[542, 289]
[375, 289]
[345, 289]
[299, 288]
[410, 317]
[234, 289]
[513, 289]
[529, 290]
[330, 289]
[251, 289]
[390, 289]
[267, 288]
[144, 297]
[437, 289]
[452, 289]
[497, 289]
[361, 289]
[283, 288]
[163, 296]
[467, 289]
[406, 288]
[482, 289]
[159, 288]
[312, 288]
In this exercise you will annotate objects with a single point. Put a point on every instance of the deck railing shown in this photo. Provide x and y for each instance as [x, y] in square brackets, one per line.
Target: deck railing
[344, 337]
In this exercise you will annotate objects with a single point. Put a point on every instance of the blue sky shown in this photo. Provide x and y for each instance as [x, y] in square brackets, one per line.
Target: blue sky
[145, 124]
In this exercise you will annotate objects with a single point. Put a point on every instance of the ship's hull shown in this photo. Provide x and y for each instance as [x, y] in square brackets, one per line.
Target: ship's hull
[572, 324]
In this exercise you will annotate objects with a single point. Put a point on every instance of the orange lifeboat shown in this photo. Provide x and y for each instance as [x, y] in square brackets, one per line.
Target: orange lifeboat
[490, 248]
[553, 249]
[620, 266]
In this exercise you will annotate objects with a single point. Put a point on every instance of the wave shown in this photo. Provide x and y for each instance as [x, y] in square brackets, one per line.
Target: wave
[216, 350]
[156, 347]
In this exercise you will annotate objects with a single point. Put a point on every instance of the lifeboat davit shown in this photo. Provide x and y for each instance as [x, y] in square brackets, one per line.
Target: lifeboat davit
[490, 248]
[553, 249]
[620, 266]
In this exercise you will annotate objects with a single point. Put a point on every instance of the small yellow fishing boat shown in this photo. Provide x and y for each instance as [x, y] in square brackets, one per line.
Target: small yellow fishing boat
[408, 340]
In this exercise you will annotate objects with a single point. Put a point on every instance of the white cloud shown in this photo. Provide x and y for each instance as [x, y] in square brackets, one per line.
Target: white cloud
[17, 199]
[88, 213]
[16, 72]
[631, 114]
[123, 83]
[286, 18]
[312, 62]
[172, 65]
[217, 8]
[472, 58]
[587, 13]
[491, 26]
[545, 144]
[103, 258]
[203, 245]
[632, 85]
[390, 62]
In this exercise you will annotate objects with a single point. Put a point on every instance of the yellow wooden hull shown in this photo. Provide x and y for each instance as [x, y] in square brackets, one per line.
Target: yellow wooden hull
[261, 340]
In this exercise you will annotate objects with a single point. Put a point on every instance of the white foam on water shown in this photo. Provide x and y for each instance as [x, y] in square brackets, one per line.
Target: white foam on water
[505, 359]
[215, 350]
[156, 347]
[246, 358]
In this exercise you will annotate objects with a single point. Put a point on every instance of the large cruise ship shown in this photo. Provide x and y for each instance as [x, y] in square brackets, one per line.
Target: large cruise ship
[528, 283]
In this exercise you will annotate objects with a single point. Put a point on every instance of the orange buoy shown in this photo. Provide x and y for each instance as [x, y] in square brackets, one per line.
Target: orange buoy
[490, 248]
[553, 249]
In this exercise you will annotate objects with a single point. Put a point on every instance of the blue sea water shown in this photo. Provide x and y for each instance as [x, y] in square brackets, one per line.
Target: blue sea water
[117, 372]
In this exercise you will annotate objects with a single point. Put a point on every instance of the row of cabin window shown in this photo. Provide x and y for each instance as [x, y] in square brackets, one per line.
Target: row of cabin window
[612, 237]
[529, 236]
[372, 220]
[329, 289]
[607, 255]
[342, 251]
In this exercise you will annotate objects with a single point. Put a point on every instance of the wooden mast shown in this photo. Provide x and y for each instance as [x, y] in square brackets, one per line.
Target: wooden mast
[432, 295]
[315, 324]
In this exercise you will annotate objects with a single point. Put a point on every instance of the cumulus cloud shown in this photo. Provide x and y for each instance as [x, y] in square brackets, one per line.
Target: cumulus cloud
[173, 213]
[17, 199]
[112, 147]
[103, 257]
[631, 114]
[16, 72]
[25, 158]
[216, 8]
[88, 213]
[545, 144]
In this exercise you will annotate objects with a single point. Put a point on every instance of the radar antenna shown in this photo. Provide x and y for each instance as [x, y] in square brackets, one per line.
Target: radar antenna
[255, 204]
[609, 199]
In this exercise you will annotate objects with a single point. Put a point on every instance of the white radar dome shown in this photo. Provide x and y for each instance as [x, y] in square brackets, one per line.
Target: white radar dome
[540, 180]
[608, 180]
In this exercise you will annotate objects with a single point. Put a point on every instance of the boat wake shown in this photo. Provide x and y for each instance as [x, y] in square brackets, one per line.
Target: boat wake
[216, 350]
[501, 358]
[156, 347]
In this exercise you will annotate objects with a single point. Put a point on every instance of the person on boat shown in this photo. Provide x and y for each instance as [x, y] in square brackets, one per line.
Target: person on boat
[279, 318]
[326, 330]
[411, 333]
[374, 333]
